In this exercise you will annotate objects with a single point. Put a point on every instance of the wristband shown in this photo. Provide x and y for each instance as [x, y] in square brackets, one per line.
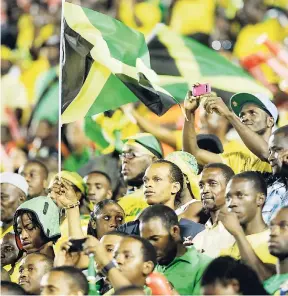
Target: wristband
[107, 267]
[72, 205]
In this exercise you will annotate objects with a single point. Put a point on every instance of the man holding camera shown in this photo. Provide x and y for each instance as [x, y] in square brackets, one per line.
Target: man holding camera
[252, 116]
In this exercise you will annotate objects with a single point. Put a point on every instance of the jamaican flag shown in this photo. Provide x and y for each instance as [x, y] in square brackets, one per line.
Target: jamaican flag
[105, 65]
[180, 62]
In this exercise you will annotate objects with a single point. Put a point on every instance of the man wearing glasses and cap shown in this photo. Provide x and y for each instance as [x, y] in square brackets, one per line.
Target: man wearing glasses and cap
[138, 153]
[252, 116]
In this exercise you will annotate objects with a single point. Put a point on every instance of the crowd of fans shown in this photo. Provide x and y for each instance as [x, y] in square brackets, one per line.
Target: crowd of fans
[177, 205]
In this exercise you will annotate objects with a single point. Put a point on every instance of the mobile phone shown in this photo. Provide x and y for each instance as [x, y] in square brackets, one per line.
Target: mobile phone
[201, 89]
[77, 245]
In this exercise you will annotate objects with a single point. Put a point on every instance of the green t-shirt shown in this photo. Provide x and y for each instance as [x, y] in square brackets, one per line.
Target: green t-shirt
[185, 272]
[273, 284]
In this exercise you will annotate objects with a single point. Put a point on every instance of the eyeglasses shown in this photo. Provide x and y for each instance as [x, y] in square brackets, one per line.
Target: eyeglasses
[131, 155]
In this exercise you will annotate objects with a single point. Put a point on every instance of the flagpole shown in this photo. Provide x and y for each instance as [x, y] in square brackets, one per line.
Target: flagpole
[60, 89]
[154, 32]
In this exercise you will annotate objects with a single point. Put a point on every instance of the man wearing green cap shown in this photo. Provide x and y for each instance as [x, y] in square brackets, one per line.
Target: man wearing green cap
[252, 116]
[138, 153]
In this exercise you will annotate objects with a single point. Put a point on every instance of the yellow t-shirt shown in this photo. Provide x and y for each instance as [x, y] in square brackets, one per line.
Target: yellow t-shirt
[133, 204]
[15, 275]
[64, 231]
[9, 229]
[240, 158]
[259, 243]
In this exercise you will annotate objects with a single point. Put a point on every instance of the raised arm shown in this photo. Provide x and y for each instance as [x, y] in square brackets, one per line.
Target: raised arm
[116, 278]
[248, 256]
[162, 134]
[66, 198]
[254, 142]
[189, 134]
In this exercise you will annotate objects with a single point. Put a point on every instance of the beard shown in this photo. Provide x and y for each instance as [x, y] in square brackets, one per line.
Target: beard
[170, 252]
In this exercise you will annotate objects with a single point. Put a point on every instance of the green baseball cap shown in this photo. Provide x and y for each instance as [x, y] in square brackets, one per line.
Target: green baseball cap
[148, 141]
[239, 100]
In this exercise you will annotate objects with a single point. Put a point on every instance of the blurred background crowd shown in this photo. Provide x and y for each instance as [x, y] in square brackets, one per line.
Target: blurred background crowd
[102, 174]
[29, 72]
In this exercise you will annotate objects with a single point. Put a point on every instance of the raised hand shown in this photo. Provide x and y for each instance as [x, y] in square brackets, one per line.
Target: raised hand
[216, 104]
[63, 194]
[230, 221]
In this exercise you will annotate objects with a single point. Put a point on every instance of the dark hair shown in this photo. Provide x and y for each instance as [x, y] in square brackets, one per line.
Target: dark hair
[127, 289]
[101, 205]
[227, 172]
[42, 257]
[12, 288]
[77, 278]
[176, 175]
[42, 165]
[149, 252]
[36, 223]
[166, 214]
[224, 269]
[256, 178]
[97, 210]
[101, 173]
[282, 130]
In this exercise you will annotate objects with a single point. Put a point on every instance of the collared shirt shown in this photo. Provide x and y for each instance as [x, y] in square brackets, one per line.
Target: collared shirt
[213, 239]
[185, 272]
[277, 198]
[259, 243]
[276, 283]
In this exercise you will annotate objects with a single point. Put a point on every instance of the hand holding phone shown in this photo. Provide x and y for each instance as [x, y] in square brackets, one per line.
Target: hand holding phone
[201, 89]
[77, 245]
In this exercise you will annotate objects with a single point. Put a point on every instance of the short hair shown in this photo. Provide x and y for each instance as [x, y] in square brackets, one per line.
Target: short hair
[101, 173]
[176, 175]
[101, 205]
[149, 252]
[282, 130]
[224, 269]
[227, 172]
[255, 177]
[78, 279]
[127, 289]
[12, 288]
[167, 216]
[97, 210]
[42, 165]
[44, 258]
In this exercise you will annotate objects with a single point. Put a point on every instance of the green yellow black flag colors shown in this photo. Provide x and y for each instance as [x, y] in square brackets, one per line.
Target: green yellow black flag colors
[105, 65]
[180, 62]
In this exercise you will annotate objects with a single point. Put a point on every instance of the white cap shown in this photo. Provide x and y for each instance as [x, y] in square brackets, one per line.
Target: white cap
[16, 180]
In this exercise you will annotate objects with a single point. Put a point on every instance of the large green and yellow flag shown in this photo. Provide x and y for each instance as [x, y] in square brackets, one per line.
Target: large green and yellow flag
[180, 62]
[105, 65]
